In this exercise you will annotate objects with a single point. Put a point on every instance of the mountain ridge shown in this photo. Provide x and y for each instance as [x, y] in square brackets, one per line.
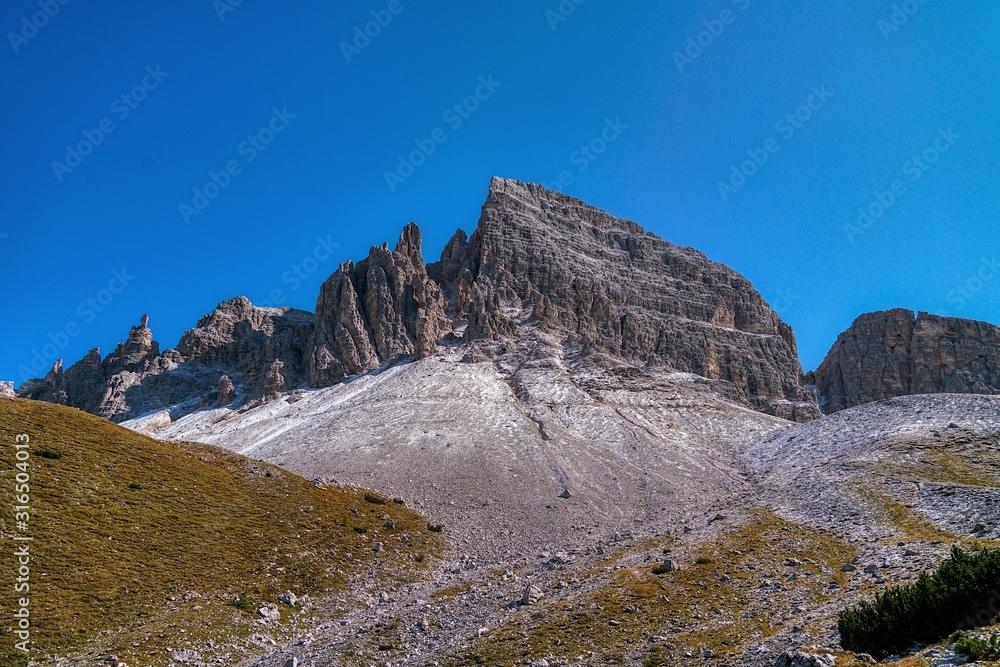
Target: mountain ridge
[537, 257]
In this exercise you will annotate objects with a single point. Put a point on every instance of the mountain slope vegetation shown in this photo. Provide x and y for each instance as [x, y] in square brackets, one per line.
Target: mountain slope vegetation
[141, 546]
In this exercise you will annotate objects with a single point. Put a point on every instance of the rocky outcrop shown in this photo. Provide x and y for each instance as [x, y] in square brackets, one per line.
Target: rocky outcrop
[369, 313]
[225, 390]
[898, 352]
[550, 259]
[7, 390]
[260, 347]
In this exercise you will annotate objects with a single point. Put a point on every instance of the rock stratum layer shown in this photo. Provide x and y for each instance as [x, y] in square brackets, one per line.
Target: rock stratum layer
[898, 352]
[538, 261]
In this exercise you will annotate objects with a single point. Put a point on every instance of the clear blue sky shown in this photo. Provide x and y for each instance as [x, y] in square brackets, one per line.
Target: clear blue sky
[880, 95]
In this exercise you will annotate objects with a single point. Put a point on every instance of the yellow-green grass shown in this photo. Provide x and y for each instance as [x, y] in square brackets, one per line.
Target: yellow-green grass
[121, 523]
[909, 522]
[716, 605]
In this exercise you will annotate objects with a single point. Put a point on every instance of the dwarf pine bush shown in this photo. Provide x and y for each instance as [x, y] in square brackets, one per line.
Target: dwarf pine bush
[963, 593]
[979, 648]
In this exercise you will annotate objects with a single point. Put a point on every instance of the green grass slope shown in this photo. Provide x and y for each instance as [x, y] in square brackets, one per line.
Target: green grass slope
[123, 527]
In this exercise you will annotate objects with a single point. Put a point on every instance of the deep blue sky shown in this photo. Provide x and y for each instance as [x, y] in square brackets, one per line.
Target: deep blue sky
[324, 174]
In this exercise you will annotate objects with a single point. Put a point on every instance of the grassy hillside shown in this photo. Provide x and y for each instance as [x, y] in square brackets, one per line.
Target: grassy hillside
[125, 529]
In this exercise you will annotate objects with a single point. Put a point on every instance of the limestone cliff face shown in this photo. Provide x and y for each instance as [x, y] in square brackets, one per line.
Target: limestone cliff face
[898, 352]
[609, 286]
[382, 308]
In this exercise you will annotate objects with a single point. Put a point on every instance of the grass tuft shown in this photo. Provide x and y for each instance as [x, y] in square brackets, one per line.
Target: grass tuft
[48, 454]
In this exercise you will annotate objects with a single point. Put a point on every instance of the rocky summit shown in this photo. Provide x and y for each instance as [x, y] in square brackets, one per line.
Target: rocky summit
[898, 352]
[538, 261]
[611, 287]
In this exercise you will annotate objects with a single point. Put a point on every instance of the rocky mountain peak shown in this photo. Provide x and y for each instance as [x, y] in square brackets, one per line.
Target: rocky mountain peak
[898, 352]
[610, 286]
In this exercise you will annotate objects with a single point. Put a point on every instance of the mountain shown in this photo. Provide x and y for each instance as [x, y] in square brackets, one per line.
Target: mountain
[602, 442]
[538, 261]
[898, 352]
[610, 287]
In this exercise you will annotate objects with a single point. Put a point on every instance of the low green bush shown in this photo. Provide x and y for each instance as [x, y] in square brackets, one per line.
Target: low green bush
[979, 648]
[963, 593]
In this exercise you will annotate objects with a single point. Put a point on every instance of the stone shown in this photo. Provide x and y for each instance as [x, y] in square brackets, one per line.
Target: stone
[269, 612]
[225, 391]
[288, 599]
[532, 595]
[800, 659]
[898, 352]
[185, 656]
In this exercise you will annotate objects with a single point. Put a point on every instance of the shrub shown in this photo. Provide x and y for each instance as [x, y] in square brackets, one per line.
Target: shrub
[419, 558]
[661, 569]
[48, 454]
[360, 530]
[375, 499]
[435, 528]
[979, 648]
[135, 485]
[962, 593]
[702, 560]
[243, 602]
[399, 501]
